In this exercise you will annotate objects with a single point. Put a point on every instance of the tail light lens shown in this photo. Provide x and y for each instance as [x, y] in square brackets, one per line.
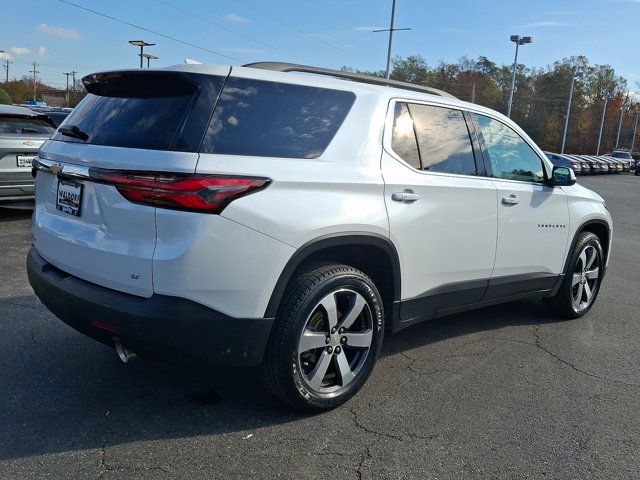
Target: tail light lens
[197, 193]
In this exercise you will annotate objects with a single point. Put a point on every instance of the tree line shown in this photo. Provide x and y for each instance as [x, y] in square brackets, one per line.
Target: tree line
[540, 98]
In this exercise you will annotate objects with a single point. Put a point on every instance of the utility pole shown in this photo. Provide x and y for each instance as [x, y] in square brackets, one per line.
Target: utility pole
[473, 92]
[604, 112]
[67, 74]
[6, 67]
[34, 71]
[391, 29]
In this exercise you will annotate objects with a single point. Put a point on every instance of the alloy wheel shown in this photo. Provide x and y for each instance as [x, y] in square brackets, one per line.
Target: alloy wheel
[586, 277]
[335, 341]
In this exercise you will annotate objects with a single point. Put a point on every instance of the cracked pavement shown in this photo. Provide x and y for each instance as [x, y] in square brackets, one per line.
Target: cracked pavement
[503, 392]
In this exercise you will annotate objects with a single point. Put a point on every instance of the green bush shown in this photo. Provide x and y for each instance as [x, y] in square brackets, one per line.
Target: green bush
[5, 99]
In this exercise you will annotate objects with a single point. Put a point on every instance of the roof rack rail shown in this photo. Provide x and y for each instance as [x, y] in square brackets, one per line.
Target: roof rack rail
[356, 77]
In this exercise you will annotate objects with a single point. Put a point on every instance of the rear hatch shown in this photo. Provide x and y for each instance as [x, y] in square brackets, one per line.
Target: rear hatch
[132, 127]
[21, 135]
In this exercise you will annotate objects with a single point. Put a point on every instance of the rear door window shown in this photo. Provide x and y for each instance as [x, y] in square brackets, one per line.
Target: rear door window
[443, 140]
[25, 125]
[403, 136]
[271, 119]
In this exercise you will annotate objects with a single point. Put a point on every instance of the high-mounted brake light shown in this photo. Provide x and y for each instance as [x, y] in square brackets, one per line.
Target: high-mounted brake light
[198, 193]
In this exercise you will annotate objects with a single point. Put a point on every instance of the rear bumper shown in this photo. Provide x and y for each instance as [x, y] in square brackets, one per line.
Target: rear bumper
[161, 325]
[16, 184]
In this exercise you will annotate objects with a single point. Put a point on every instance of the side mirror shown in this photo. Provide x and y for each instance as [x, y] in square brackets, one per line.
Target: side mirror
[562, 177]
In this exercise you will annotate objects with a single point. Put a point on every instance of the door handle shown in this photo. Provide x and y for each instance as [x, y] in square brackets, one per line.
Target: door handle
[510, 200]
[408, 196]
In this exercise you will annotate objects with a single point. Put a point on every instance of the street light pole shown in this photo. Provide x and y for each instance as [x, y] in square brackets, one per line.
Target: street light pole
[149, 57]
[622, 109]
[391, 29]
[635, 127]
[604, 111]
[576, 73]
[141, 44]
[518, 40]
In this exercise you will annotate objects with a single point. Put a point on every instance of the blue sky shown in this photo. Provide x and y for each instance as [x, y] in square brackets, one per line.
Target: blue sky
[328, 33]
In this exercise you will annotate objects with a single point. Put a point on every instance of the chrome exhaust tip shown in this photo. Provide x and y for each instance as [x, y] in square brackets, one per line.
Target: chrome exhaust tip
[124, 354]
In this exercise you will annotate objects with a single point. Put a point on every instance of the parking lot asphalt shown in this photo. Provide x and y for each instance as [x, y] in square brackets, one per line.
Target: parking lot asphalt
[503, 392]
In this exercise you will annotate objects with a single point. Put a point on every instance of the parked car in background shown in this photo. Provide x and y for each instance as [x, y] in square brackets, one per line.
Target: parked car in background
[562, 161]
[636, 168]
[57, 115]
[298, 220]
[22, 132]
[602, 166]
[594, 166]
[614, 165]
[626, 157]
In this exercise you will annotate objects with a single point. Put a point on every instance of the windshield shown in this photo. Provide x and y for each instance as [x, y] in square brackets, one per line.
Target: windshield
[625, 155]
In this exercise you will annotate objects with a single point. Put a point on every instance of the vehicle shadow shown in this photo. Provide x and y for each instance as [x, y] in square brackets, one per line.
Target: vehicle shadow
[14, 212]
[64, 392]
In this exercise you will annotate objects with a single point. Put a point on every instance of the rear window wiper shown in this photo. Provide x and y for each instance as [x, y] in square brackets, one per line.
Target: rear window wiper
[73, 131]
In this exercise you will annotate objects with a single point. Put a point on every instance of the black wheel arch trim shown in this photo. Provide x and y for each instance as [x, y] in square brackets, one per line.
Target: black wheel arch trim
[579, 230]
[330, 241]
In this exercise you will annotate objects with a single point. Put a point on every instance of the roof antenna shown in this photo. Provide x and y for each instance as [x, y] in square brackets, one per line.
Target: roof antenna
[188, 61]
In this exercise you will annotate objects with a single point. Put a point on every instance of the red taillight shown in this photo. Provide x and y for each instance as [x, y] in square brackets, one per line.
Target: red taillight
[201, 193]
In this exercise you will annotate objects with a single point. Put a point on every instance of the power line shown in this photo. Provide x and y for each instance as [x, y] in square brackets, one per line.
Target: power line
[306, 34]
[204, 19]
[169, 37]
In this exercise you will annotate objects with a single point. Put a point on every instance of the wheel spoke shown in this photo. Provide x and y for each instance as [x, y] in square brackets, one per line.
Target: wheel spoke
[311, 340]
[355, 311]
[578, 296]
[329, 304]
[320, 370]
[583, 259]
[361, 339]
[344, 369]
[593, 274]
[592, 258]
[577, 278]
[588, 292]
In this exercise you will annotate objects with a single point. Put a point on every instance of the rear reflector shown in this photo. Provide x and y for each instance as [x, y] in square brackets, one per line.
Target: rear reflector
[198, 193]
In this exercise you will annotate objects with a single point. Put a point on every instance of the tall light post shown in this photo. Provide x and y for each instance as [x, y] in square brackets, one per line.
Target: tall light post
[518, 40]
[635, 127]
[149, 57]
[391, 29]
[141, 44]
[604, 112]
[576, 74]
[622, 109]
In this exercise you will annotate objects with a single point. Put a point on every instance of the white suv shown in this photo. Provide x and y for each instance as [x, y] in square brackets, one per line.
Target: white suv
[258, 216]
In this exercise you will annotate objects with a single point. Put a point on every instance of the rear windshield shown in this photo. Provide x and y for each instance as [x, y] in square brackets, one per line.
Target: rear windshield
[146, 110]
[25, 126]
[270, 119]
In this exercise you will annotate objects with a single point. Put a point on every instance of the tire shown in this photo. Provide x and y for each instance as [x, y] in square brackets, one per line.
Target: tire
[582, 280]
[302, 344]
